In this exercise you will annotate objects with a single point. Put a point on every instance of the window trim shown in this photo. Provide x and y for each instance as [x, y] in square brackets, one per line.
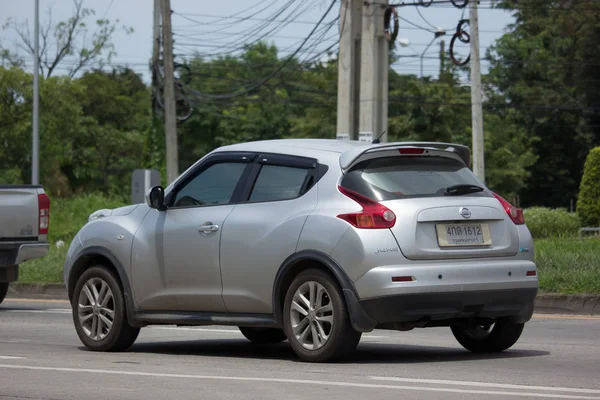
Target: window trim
[315, 173]
[216, 158]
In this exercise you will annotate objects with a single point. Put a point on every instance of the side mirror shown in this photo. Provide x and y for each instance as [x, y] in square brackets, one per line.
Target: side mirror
[155, 198]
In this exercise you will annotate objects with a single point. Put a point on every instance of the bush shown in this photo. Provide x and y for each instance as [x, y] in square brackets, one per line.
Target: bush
[545, 222]
[588, 203]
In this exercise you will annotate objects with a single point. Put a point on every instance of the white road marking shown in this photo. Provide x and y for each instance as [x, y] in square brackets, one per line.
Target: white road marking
[297, 381]
[484, 384]
[10, 358]
[51, 311]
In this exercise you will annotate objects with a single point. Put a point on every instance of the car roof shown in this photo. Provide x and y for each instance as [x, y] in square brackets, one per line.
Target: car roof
[343, 151]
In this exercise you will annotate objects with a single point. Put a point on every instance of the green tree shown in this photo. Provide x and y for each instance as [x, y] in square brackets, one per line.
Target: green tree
[69, 46]
[59, 121]
[588, 203]
[545, 68]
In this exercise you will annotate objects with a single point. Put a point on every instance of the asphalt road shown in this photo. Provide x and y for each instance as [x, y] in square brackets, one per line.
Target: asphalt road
[42, 358]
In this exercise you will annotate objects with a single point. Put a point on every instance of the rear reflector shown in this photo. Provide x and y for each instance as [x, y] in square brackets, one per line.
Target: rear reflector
[373, 214]
[402, 279]
[411, 150]
[531, 273]
[44, 213]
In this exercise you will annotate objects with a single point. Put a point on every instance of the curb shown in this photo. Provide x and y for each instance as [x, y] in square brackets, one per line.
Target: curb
[545, 303]
[48, 291]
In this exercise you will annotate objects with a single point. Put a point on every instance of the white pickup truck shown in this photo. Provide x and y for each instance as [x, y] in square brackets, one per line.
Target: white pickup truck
[24, 222]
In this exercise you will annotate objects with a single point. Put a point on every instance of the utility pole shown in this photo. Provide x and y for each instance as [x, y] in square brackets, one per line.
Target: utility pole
[35, 150]
[442, 57]
[374, 74]
[476, 102]
[348, 110]
[169, 94]
[156, 130]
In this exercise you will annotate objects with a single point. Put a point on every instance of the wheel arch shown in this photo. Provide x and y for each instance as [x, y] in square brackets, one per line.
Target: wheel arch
[98, 255]
[305, 259]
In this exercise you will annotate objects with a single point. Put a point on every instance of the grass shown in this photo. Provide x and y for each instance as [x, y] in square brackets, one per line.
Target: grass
[566, 264]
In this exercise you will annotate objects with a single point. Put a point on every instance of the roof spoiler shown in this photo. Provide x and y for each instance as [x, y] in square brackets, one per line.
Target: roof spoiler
[462, 151]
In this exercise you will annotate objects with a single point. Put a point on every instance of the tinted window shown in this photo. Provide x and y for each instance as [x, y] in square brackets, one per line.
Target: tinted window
[278, 183]
[397, 177]
[213, 186]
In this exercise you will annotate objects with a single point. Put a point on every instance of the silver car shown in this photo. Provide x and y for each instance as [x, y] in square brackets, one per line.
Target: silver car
[312, 241]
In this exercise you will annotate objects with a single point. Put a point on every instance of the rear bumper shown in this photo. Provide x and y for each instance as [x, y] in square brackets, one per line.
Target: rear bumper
[12, 254]
[516, 304]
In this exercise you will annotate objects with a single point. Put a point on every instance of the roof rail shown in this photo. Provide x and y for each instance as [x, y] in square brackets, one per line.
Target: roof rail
[462, 151]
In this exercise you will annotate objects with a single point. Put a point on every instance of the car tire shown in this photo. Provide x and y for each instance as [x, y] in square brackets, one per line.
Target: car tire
[498, 338]
[97, 295]
[263, 335]
[322, 312]
[3, 291]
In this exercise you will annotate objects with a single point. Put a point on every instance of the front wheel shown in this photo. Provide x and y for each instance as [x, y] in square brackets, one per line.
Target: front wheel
[315, 318]
[99, 312]
[263, 335]
[490, 338]
[3, 291]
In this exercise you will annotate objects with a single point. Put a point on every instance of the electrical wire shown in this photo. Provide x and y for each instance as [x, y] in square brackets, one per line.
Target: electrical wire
[274, 73]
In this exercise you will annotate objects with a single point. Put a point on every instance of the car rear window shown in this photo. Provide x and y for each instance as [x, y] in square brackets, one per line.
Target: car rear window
[389, 178]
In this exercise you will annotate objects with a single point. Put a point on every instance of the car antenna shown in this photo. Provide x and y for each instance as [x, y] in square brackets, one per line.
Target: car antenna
[376, 141]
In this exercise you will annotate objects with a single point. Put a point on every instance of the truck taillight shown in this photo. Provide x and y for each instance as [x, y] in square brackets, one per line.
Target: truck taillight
[373, 214]
[44, 213]
[515, 214]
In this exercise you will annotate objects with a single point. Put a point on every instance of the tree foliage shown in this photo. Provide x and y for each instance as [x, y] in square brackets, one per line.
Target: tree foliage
[545, 69]
[588, 204]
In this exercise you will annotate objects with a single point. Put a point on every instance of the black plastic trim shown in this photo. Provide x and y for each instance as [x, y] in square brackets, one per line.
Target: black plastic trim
[241, 157]
[9, 273]
[21, 186]
[90, 252]
[195, 318]
[360, 320]
[515, 304]
[25, 239]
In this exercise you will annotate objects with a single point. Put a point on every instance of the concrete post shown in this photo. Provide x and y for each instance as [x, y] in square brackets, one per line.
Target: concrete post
[349, 69]
[373, 74]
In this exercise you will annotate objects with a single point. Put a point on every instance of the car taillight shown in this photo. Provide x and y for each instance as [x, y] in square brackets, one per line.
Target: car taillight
[44, 213]
[515, 214]
[411, 150]
[373, 214]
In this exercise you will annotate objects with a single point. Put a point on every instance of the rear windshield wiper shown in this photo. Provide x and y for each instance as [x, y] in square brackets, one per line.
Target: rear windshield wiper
[459, 190]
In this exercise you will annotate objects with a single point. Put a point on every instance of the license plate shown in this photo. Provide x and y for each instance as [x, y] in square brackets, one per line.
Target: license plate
[454, 235]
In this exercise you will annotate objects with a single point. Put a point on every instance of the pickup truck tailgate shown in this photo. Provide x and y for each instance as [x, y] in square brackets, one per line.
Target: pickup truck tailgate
[19, 214]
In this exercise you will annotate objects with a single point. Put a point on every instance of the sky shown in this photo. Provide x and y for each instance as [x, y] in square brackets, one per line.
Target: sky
[214, 27]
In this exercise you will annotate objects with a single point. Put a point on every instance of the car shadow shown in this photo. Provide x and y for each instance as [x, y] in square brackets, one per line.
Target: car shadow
[366, 353]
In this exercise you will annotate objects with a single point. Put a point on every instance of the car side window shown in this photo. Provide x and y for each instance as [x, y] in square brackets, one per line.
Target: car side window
[276, 182]
[213, 186]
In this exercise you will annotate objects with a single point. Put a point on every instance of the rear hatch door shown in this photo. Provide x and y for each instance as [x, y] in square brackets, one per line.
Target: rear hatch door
[443, 211]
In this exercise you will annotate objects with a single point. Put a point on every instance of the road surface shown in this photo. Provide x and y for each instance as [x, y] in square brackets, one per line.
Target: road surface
[558, 357]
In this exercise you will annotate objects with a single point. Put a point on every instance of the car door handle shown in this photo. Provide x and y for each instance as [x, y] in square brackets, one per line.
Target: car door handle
[208, 228]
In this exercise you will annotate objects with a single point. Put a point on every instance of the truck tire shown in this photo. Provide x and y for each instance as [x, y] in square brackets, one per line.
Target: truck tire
[263, 335]
[3, 291]
[316, 320]
[499, 337]
[99, 312]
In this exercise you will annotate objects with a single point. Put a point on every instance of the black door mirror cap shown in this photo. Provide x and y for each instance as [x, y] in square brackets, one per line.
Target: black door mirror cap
[155, 198]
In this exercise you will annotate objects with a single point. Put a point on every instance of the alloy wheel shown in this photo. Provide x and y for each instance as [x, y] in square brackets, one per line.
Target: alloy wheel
[96, 309]
[311, 315]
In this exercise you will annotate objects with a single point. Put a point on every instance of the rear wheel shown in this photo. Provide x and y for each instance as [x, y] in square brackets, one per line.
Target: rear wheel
[316, 320]
[3, 291]
[99, 312]
[263, 335]
[489, 338]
